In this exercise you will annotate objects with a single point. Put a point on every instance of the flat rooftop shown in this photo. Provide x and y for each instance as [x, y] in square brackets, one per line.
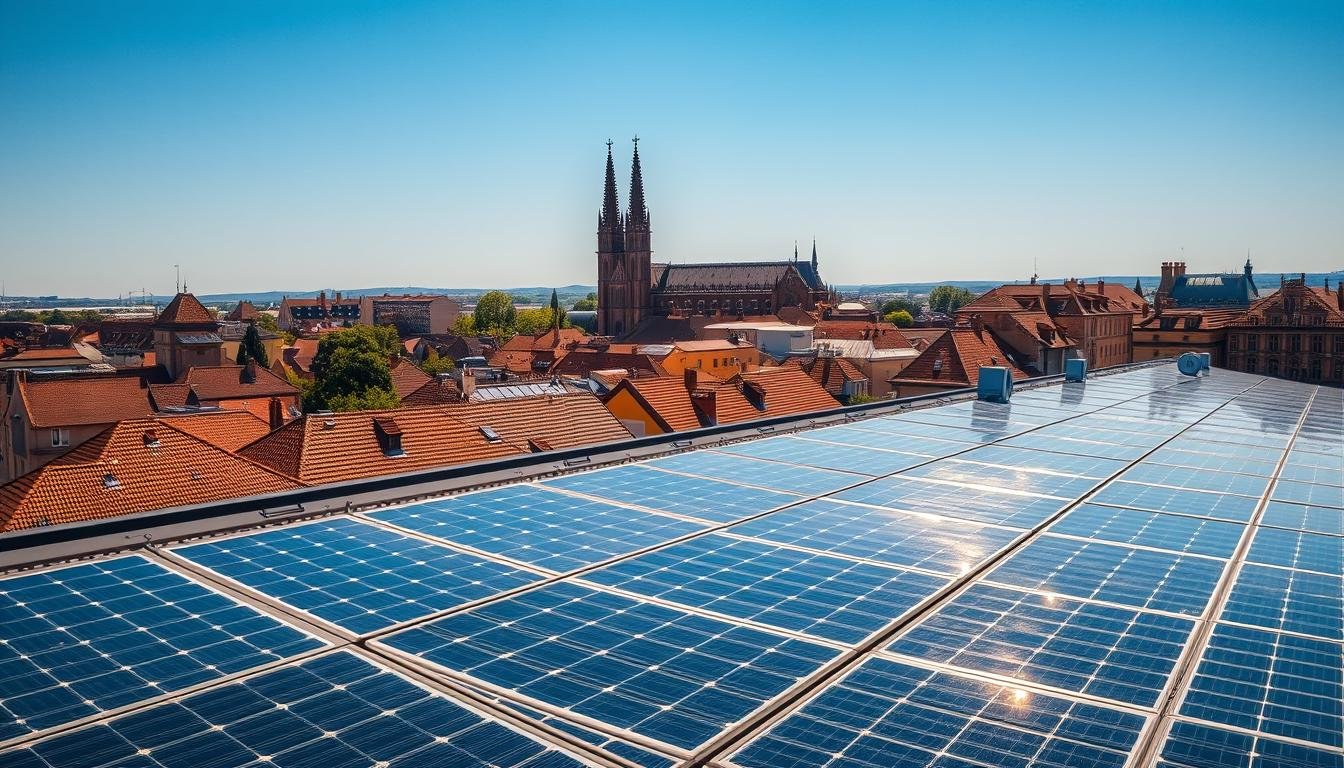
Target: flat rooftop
[1140, 569]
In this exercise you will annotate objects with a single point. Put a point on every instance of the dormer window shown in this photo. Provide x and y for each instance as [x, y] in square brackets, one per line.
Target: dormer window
[110, 481]
[389, 436]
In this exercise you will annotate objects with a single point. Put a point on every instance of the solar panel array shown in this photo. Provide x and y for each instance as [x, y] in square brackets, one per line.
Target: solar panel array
[1144, 569]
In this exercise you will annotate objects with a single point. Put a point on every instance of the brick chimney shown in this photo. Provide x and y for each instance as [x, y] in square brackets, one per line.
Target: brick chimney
[1101, 286]
[689, 380]
[276, 411]
[1045, 297]
[250, 372]
[1178, 268]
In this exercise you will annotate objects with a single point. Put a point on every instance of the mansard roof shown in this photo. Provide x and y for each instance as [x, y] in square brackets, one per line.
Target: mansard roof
[1213, 290]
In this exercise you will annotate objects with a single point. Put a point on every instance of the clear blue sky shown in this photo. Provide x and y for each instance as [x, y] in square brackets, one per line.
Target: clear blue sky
[274, 145]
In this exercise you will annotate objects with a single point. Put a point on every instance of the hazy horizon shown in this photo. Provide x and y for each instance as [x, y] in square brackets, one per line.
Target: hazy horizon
[372, 144]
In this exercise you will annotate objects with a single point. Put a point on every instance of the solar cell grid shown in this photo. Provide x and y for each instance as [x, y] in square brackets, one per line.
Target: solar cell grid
[1298, 549]
[866, 438]
[888, 714]
[1196, 745]
[1156, 473]
[1294, 601]
[1283, 514]
[84, 639]
[1309, 493]
[1155, 498]
[1112, 573]
[1026, 480]
[1318, 475]
[1270, 682]
[711, 500]
[806, 452]
[640, 756]
[1044, 460]
[918, 431]
[821, 595]
[1114, 653]
[353, 574]
[1076, 446]
[545, 528]
[986, 505]
[331, 711]
[929, 542]
[1186, 454]
[1174, 533]
[759, 472]
[662, 673]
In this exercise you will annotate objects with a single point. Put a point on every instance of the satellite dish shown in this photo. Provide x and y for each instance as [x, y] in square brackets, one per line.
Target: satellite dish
[1190, 364]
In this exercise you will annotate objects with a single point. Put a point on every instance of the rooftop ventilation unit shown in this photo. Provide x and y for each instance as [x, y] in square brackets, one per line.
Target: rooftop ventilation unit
[1075, 369]
[1190, 364]
[995, 384]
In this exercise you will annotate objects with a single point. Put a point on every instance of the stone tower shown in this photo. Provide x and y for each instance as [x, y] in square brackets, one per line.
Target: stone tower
[623, 254]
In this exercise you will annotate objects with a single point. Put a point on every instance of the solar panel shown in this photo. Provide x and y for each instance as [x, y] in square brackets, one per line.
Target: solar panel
[1271, 682]
[1196, 745]
[1186, 502]
[547, 529]
[1294, 601]
[1282, 514]
[1298, 549]
[928, 542]
[857, 435]
[957, 470]
[1309, 493]
[662, 673]
[806, 452]
[1112, 573]
[84, 639]
[1196, 479]
[821, 595]
[353, 574]
[1174, 533]
[1115, 653]
[979, 503]
[334, 710]
[641, 485]
[887, 713]
[759, 472]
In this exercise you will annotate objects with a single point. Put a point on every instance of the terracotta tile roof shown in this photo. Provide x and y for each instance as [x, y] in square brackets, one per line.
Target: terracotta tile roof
[831, 373]
[164, 396]
[437, 391]
[244, 311]
[583, 360]
[343, 446]
[787, 391]
[522, 362]
[298, 356]
[58, 353]
[126, 334]
[136, 466]
[225, 429]
[406, 378]
[959, 353]
[549, 340]
[84, 400]
[229, 382]
[184, 310]
[883, 335]
[664, 398]
[711, 345]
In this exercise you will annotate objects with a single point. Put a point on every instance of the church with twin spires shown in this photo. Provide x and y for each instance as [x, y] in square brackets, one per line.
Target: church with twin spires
[632, 288]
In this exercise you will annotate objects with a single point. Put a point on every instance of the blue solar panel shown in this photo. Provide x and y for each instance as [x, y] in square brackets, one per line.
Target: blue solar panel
[1078, 442]
[870, 438]
[980, 504]
[774, 475]
[702, 499]
[803, 451]
[886, 714]
[957, 470]
[1271, 682]
[1196, 479]
[332, 711]
[1195, 745]
[88, 638]
[662, 673]
[829, 597]
[1303, 517]
[1111, 573]
[1176, 533]
[1320, 473]
[1154, 498]
[914, 429]
[1294, 601]
[1310, 493]
[640, 756]
[1115, 653]
[930, 542]
[356, 575]
[545, 528]
[1044, 460]
[1193, 455]
[1296, 549]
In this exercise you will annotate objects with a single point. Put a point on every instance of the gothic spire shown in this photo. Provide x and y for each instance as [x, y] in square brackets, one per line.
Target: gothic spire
[1138, 286]
[814, 256]
[639, 214]
[611, 207]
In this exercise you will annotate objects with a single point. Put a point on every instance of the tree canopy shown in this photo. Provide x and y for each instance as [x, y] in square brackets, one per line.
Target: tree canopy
[495, 310]
[948, 299]
[901, 303]
[251, 348]
[586, 304]
[899, 318]
[433, 364]
[351, 371]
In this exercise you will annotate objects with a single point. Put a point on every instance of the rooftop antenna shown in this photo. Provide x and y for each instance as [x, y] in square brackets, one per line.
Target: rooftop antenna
[177, 283]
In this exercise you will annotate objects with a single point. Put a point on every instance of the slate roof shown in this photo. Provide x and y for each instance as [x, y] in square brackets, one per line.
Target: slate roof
[135, 466]
[729, 276]
[1213, 290]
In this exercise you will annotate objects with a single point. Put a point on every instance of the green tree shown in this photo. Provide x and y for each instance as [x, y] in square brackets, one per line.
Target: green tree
[56, 316]
[372, 399]
[901, 303]
[349, 364]
[948, 299]
[465, 325]
[494, 309]
[557, 313]
[251, 348]
[19, 315]
[586, 304]
[899, 318]
[267, 322]
[530, 322]
[433, 364]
